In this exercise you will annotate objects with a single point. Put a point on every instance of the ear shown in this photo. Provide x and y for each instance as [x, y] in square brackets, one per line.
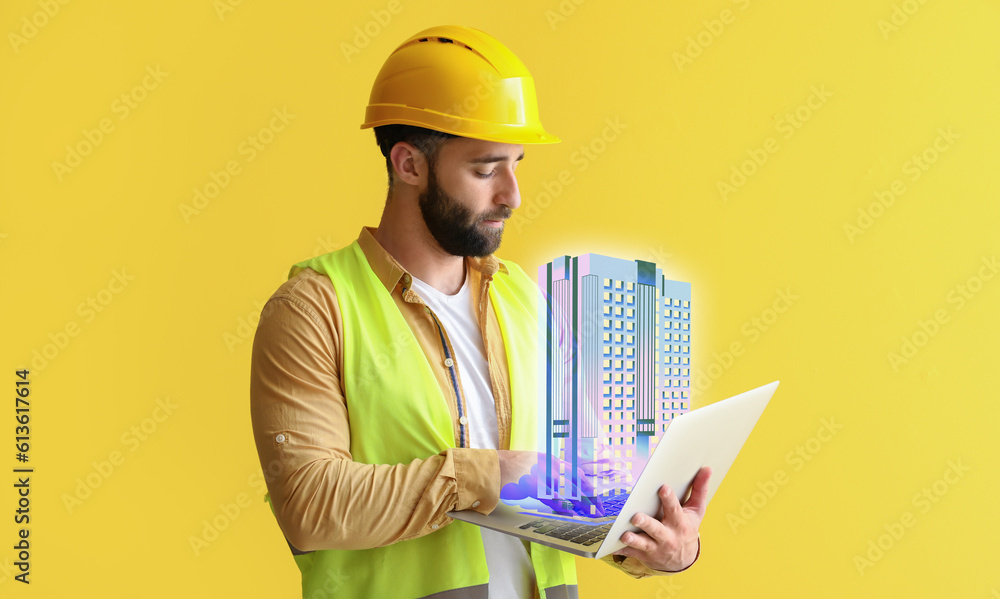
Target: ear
[409, 164]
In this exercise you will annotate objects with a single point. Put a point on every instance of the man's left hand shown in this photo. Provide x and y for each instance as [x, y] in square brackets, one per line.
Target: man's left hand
[671, 543]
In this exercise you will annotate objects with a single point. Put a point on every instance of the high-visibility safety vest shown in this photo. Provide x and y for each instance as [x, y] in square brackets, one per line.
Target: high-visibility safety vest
[398, 413]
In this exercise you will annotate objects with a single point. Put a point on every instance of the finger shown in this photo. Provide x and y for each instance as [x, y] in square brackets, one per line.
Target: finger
[699, 491]
[651, 526]
[673, 513]
[639, 541]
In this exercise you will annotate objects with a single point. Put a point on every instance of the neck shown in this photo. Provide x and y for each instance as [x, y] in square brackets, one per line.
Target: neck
[402, 233]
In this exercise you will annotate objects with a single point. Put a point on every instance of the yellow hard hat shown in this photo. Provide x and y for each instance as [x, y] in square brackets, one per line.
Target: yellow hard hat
[461, 81]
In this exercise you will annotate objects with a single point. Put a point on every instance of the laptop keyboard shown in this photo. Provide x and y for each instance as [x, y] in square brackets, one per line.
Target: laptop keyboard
[576, 532]
[583, 534]
[613, 505]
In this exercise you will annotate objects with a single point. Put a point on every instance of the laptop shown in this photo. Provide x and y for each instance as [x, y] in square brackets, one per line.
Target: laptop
[709, 436]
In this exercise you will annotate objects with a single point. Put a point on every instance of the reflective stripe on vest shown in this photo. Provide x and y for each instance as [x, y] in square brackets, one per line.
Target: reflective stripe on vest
[411, 420]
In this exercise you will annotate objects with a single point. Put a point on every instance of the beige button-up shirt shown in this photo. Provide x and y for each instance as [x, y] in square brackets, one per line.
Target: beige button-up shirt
[322, 498]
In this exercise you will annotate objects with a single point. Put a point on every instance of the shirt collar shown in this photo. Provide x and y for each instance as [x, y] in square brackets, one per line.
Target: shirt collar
[389, 271]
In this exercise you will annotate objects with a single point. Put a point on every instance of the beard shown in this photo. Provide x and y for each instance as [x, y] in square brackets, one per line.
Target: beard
[454, 227]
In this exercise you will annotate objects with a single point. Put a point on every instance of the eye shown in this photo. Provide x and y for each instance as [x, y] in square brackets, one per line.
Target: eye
[484, 175]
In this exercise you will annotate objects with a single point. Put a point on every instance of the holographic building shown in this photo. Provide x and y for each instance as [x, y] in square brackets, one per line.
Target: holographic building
[617, 367]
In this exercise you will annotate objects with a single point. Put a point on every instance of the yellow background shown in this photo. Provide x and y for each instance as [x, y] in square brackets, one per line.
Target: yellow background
[880, 89]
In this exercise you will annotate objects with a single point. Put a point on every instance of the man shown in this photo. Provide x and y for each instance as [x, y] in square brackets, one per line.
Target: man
[390, 379]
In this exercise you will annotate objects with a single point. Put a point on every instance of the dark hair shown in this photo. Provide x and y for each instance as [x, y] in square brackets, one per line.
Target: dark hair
[427, 141]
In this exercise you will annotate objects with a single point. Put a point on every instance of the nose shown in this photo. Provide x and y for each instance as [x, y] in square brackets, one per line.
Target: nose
[508, 192]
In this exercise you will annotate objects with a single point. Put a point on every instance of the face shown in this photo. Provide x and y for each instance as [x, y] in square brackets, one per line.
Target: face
[481, 175]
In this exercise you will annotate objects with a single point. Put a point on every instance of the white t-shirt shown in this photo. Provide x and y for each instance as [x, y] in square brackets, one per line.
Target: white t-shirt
[511, 574]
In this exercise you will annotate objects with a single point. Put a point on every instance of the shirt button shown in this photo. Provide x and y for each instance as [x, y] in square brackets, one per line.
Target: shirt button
[280, 438]
[463, 420]
[434, 526]
[475, 504]
[449, 362]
